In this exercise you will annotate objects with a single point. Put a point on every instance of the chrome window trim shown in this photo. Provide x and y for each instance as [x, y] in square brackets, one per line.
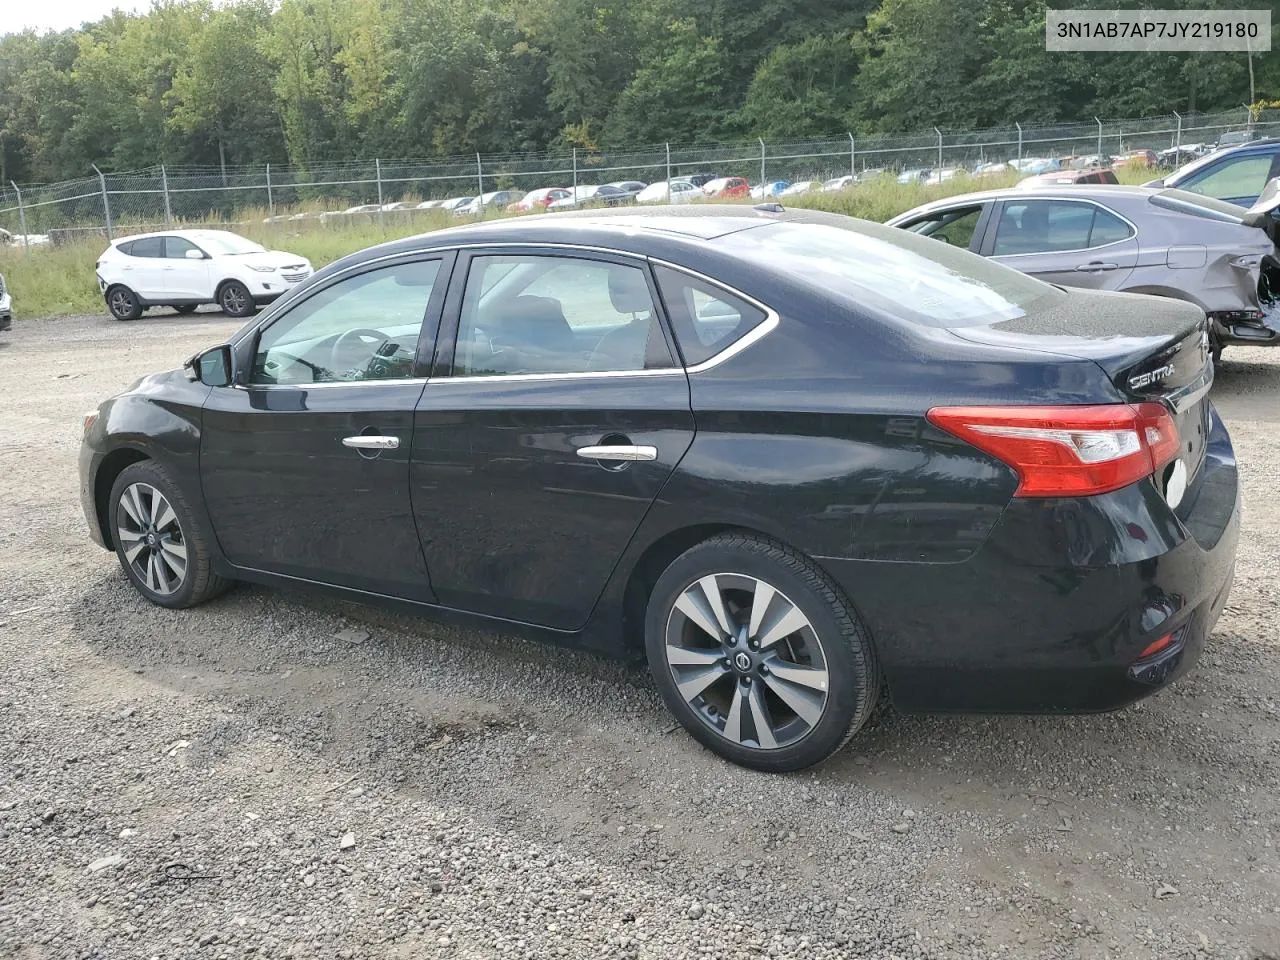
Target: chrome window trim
[757, 333]
[328, 383]
[1094, 203]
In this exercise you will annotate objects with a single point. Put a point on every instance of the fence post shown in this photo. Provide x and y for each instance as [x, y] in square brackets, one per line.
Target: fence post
[761, 139]
[1099, 123]
[1177, 137]
[377, 169]
[164, 185]
[939, 133]
[22, 220]
[575, 174]
[1248, 116]
[271, 201]
[479, 184]
[853, 160]
[106, 204]
[668, 171]
[1019, 126]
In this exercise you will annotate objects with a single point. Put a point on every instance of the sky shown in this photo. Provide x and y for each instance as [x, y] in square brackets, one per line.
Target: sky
[43, 15]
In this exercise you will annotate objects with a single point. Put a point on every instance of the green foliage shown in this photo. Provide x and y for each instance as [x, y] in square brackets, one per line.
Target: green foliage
[308, 81]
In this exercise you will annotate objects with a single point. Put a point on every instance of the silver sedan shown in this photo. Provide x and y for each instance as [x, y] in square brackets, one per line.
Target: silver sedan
[1137, 239]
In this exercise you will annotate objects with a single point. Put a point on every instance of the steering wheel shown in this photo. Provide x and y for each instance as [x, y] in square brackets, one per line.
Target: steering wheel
[346, 341]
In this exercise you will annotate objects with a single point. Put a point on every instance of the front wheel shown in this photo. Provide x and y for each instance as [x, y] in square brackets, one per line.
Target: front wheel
[758, 654]
[158, 539]
[235, 300]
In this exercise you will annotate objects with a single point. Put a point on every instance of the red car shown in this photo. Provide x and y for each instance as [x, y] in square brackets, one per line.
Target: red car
[727, 187]
[539, 199]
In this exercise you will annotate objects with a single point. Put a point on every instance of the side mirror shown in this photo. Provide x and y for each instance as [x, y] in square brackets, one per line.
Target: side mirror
[213, 368]
[194, 255]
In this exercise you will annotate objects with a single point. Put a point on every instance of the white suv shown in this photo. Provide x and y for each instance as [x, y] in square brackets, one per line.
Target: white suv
[185, 268]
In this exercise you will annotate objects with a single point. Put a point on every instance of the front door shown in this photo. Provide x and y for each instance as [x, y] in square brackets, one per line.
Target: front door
[1075, 243]
[553, 428]
[183, 277]
[305, 464]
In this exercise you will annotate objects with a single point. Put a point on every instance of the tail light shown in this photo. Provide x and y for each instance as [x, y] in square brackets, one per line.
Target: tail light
[1068, 451]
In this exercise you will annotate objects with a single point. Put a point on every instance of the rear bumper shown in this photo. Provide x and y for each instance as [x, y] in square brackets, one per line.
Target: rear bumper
[1053, 613]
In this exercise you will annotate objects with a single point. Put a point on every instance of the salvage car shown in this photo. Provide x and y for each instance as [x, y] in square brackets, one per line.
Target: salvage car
[791, 458]
[186, 268]
[1237, 175]
[1137, 239]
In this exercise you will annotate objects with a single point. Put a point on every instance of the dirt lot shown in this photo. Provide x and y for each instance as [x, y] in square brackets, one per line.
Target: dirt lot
[504, 799]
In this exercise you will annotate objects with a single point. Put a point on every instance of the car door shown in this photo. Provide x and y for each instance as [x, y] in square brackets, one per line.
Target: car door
[305, 461]
[185, 278]
[1075, 243]
[546, 432]
[143, 269]
[960, 226]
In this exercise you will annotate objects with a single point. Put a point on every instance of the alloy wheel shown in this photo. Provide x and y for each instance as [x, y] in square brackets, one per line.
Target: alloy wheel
[233, 301]
[121, 303]
[151, 538]
[747, 661]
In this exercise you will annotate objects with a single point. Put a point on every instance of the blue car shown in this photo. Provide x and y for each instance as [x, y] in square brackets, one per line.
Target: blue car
[770, 189]
[1235, 174]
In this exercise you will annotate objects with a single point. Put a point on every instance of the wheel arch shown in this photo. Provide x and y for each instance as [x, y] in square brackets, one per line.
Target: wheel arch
[113, 464]
[657, 556]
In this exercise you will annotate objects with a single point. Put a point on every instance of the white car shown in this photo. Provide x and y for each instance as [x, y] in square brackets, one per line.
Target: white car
[680, 191]
[6, 306]
[185, 268]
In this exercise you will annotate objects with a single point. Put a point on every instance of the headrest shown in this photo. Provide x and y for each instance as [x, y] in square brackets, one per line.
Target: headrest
[628, 291]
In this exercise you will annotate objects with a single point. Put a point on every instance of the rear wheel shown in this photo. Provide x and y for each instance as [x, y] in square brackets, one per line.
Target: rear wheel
[158, 539]
[758, 654]
[123, 303]
[234, 298]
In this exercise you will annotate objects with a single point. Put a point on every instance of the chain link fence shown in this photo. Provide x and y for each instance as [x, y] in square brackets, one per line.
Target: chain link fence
[111, 204]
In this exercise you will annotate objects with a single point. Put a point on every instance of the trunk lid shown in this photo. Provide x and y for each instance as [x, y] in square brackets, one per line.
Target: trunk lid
[1153, 349]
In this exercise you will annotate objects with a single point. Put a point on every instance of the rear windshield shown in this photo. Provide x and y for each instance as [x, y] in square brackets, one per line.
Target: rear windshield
[894, 271]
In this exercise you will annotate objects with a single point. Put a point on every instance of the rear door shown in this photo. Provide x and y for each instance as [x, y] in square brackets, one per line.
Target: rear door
[143, 269]
[554, 415]
[185, 278]
[1074, 243]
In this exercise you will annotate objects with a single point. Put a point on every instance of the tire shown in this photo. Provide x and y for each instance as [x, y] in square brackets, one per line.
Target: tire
[234, 299]
[804, 723]
[123, 303]
[168, 561]
[187, 308]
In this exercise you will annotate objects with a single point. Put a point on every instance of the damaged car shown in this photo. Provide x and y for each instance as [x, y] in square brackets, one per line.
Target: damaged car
[1165, 242]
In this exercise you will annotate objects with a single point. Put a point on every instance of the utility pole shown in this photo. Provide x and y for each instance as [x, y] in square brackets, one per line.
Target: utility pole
[106, 204]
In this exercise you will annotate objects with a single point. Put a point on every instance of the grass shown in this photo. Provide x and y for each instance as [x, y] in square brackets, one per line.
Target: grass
[57, 281]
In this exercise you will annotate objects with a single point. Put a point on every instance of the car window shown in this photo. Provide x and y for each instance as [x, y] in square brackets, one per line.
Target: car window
[365, 327]
[177, 247]
[557, 315]
[147, 247]
[954, 226]
[705, 318]
[1235, 177]
[1047, 226]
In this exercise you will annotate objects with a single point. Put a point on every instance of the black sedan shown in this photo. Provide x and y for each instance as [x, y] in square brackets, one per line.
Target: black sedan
[796, 460]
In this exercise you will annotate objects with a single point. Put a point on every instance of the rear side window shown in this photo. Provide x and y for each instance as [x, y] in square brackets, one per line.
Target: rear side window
[1046, 226]
[147, 247]
[705, 318]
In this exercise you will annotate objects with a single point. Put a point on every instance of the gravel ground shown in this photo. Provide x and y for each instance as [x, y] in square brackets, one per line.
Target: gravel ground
[433, 792]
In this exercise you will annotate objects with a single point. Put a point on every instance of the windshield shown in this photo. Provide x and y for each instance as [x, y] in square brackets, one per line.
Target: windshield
[228, 244]
[895, 272]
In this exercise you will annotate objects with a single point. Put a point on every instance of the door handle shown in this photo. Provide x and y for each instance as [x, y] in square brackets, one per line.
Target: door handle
[374, 442]
[1096, 266]
[626, 452]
